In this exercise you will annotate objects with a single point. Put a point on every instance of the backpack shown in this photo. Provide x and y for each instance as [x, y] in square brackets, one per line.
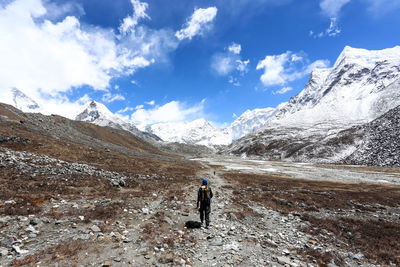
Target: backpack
[205, 194]
[192, 224]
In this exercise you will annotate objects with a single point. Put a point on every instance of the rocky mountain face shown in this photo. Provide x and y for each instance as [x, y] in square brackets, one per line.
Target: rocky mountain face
[361, 86]
[99, 114]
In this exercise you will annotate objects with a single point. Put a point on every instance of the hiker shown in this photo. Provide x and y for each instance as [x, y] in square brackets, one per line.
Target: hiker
[204, 199]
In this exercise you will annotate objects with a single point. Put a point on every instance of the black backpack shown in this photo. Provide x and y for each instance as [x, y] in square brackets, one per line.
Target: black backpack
[192, 224]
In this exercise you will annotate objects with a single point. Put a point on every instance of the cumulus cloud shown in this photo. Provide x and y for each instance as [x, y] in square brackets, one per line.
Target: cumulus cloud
[47, 52]
[173, 111]
[47, 59]
[108, 97]
[139, 12]
[286, 67]
[198, 23]
[230, 62]
[235, 48]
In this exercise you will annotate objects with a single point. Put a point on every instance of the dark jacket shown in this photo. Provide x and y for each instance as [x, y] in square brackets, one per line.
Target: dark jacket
[199, 196]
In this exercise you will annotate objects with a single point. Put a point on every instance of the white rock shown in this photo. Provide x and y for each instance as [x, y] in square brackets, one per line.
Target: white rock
[19, 250]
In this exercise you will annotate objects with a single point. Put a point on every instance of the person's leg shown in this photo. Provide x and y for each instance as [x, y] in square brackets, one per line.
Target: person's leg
[201, 210]
[208, 211]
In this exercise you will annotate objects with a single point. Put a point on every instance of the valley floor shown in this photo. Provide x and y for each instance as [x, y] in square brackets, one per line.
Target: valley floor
[60, 213]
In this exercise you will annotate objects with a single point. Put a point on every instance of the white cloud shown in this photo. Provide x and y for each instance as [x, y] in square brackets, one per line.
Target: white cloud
[332, 31]
[139, 12]
[381, 7]
[173, 111]
[108, 97]
[234, 81]
[235, 48]
[124, 110]
[284, 90]
[332, 7]
[55, 57]
[242, 66]
[225, 63]
[287, 67]
[198, 23]
[150, 103]
[139, 107]
[222, 64]
[47, 59]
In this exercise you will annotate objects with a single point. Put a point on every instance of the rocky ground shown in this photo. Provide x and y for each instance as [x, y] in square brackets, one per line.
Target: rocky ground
[110, 200]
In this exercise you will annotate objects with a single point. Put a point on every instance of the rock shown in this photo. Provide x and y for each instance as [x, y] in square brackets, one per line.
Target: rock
[95, 229]
[168, 220]
[31, 229]
[142, 251]
[357, 256]
[34, 221]
[3, 252]
[145, 211]
[107, 263]
[167, 258]
[128, 240]
[284, 260]
[19, 250]
[286, 252]
[84, 236]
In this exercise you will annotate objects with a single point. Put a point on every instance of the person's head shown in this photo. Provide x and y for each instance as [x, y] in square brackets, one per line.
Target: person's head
[205, 182]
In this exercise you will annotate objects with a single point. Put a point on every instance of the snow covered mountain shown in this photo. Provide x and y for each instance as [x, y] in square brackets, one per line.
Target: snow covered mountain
[99, 114]
[353, 91]
[198, 132]
[361, 86]
[19, 100]
[249, 121]
[201, 132]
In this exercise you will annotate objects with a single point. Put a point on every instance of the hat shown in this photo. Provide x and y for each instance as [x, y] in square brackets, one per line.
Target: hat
[205, 181]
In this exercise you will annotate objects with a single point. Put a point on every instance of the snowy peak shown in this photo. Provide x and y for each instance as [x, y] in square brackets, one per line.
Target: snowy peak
[22, 101]
[368, 58]
[249, 121]
[95, 112]
[199, 132]
[346, 93]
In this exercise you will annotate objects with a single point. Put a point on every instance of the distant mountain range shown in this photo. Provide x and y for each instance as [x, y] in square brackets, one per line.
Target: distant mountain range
[361, 86]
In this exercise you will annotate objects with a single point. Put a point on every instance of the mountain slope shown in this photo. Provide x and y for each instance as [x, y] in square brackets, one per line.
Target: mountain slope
[349, 92]
[361, 86]
[99, 114]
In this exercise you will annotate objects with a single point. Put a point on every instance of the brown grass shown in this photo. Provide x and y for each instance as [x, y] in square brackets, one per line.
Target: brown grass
[65, 250]
[291, 195]
[377, 240]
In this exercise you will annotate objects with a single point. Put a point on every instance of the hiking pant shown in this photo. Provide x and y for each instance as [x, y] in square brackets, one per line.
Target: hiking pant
[205, 210]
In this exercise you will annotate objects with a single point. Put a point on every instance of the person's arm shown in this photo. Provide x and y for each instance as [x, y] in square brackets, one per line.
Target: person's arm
[211, 194]
[198, 198]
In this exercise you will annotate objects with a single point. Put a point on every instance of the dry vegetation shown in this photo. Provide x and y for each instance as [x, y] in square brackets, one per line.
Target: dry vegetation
[358, 215]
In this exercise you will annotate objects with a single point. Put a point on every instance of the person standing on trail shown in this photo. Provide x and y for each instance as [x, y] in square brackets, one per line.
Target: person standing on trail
[204, 197]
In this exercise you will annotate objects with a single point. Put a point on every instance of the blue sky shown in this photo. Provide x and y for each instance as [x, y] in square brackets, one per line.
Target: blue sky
[178, 60]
